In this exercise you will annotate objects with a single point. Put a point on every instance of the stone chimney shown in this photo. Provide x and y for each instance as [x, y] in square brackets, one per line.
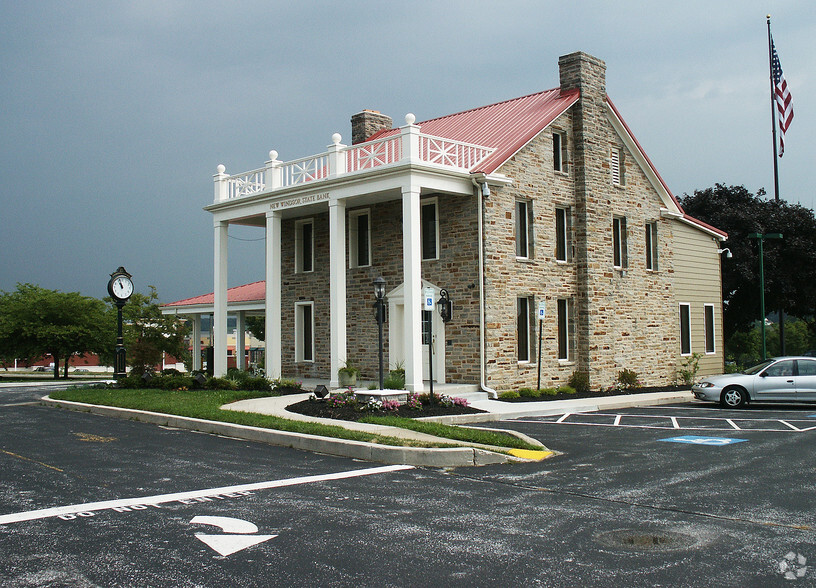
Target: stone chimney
[366, 123]
[584, 72]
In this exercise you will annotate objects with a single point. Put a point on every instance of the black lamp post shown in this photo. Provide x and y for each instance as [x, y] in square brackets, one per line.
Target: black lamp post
[760, 239]
[379, 313]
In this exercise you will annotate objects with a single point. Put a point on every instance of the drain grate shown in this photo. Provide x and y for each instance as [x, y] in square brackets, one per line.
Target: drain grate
[646, 540]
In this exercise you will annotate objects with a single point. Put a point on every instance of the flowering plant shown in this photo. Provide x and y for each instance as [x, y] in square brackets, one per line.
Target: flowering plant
[390, 405]
[413, 401]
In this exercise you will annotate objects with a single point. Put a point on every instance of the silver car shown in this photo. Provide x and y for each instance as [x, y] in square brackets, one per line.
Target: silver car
[782, 379]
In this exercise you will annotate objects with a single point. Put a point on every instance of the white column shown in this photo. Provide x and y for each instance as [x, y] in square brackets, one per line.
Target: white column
[272, 353]
[412, 270]
[219, 327]
[240, 340]
[196, 342]
[337, 286]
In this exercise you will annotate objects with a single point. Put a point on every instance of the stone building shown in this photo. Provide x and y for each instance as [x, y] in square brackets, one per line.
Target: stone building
[554, 235]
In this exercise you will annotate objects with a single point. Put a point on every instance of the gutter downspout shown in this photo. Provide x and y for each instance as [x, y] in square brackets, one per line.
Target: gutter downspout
[479, 188]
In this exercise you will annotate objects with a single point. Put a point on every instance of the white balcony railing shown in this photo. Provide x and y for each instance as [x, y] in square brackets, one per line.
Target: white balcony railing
[410, 145]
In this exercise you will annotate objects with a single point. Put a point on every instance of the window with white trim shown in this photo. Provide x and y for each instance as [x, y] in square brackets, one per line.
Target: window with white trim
[651, 246]
[563, 226]
[304, 332]
[710, 345]
[566, 329]
[429, 219]
[617, 164]
[524, 229]
[524, 329]
[304, 246]
[685, 329]
[619, 253]
[360, 238]
[559, 151]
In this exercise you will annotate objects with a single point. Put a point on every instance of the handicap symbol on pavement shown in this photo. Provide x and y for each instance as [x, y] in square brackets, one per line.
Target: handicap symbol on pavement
[699, 440]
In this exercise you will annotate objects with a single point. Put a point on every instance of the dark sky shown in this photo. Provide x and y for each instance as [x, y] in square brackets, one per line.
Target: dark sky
[114, 115]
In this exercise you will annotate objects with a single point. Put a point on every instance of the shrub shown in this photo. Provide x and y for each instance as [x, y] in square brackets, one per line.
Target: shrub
[549, 392]
[395, 380]
[177, 382]
[509, 395]
[529, 393]
[688, 369]
[566, 390]
[220, 384]
[627, 380]
[413, 401]
[286, 386]
[579, 382]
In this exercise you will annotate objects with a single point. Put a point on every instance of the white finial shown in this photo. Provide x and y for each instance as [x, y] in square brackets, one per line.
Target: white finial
[273, 155]
[221, 169]
[336, 138]
[410, 118]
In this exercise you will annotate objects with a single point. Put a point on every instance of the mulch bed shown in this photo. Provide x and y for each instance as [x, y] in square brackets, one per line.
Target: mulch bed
[320, 408]
[596, 394]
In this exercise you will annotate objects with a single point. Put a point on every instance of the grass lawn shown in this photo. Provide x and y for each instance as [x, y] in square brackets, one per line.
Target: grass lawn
[205, 404]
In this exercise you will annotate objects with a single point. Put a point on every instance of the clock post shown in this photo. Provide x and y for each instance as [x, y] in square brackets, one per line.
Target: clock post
[120, 288]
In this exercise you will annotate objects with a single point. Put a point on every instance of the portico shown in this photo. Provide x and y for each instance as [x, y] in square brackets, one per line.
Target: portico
[404, 166]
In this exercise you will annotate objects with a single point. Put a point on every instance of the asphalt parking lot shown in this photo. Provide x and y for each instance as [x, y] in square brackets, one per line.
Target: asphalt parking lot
[623, 504]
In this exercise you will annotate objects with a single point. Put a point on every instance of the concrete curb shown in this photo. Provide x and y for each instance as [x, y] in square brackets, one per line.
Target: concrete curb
[416, 456]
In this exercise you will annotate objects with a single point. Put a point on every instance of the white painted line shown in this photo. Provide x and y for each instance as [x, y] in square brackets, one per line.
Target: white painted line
[675, 424]
[733, 424]
[790, 425]
[164, 498]
[563, 418]
[617, 419]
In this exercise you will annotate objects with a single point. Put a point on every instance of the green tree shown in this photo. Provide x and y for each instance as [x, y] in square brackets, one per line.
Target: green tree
[147, 332]
[35, 322]
[257, 326]
[790, 274]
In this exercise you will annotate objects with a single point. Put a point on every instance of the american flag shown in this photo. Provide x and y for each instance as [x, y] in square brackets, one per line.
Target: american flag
[783, 99]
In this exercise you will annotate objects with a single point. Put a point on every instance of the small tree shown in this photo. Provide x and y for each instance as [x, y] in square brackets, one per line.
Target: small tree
[35, 321]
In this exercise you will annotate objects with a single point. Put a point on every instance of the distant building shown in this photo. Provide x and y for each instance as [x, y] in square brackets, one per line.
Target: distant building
[546, 198]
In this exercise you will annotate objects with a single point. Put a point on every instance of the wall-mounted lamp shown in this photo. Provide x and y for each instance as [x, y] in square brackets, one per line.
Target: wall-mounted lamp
[727, 252]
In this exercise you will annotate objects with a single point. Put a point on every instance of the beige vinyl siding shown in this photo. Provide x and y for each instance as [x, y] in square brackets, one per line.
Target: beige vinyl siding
[697, 283]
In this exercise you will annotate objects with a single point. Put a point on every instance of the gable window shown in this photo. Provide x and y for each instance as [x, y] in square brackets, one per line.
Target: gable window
[359, 238]
[524, 329]
[685, 329]
[559, 151]
[304, 332]
[524, 229]
[617, 163]
[430, 229]
[304, 246]
[562, 231]
[619, 253]
[651, 246]
[566, 330]
[709, 329]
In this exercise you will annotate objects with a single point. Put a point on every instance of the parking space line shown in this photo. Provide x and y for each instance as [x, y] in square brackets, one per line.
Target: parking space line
[180, 496]
[675, 424]
[733, 424]
[563, 418]
[790, 425]
[617, 419]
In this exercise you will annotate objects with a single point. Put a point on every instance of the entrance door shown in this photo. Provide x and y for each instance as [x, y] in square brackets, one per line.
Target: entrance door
[432, 329]
[427, 340]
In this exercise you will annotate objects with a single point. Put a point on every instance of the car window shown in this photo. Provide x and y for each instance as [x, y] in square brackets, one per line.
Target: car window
[757, 368]
[807, 367]
[781, 368]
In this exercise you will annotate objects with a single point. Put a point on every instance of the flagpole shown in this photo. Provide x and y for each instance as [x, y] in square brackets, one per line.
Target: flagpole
[775, 168]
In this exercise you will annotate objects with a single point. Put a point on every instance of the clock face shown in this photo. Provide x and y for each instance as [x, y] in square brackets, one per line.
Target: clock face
[122, 287]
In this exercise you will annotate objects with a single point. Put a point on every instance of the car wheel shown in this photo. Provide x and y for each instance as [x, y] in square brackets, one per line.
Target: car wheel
[734, 398]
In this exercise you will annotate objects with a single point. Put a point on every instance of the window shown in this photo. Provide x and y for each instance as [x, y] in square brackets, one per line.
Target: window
[781, 369]
[304, 246]
[430, 230]
[619, 242]
[524, 229]
[566, 330]
[685, 329]
[617, 163]
[304, 332]
[807, 367]
[524, 329]
[559, 151]
[359, 238]
[709, 328]
[562, 231]
[651, 246]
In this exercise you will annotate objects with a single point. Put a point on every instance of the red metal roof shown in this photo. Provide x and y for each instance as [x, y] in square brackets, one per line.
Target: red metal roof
[246, 293]
[506, 126]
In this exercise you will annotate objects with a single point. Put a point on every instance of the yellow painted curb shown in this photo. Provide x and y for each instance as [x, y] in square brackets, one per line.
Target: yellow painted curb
[530, 454]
